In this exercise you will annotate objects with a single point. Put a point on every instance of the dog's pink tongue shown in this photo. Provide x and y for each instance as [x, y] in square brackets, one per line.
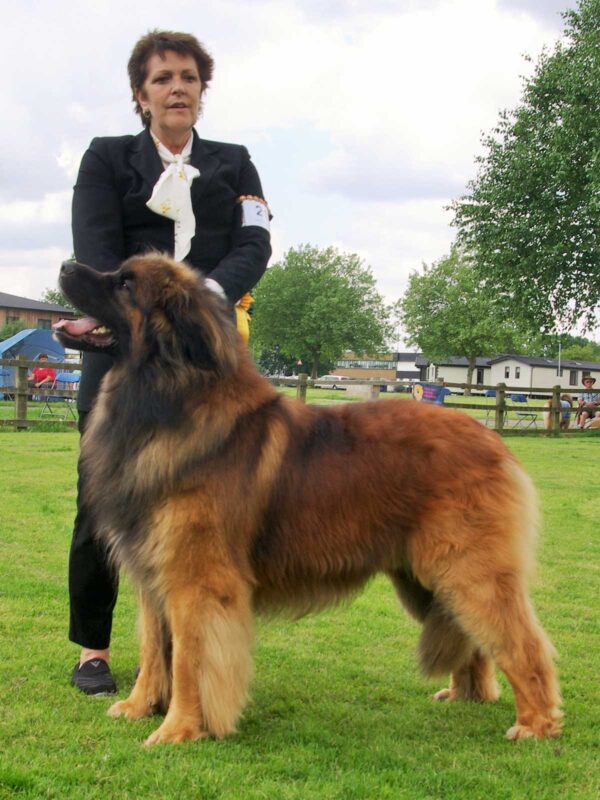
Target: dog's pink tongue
[76, 327]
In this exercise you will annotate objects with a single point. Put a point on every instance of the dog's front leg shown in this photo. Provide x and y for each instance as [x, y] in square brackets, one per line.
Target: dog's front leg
[211, 625]
[152, 688]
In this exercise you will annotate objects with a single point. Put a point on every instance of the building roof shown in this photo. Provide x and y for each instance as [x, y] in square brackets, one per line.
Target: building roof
[409, 357]
[533, 361]
[550, 363]
[453, 361]
[14, 301]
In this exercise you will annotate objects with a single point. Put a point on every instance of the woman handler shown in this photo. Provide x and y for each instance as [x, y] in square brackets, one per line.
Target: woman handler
[164, 189]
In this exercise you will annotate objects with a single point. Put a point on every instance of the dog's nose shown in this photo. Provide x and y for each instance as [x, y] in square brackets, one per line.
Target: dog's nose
[67, 267]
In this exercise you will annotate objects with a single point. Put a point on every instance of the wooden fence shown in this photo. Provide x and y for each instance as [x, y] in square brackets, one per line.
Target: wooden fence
[497, 411]
[502, 405]
[21, 391]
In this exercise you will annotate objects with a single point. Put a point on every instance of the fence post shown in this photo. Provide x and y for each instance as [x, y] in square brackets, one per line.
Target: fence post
[22, 388]
[500, 407]
[555, 410]
[302, 386]
[375, 389]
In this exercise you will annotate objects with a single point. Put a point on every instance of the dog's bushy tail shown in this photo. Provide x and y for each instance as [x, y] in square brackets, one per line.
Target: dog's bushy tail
[444, 646]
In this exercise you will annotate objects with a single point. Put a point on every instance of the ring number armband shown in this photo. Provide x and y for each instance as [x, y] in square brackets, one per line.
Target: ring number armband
[255, 211]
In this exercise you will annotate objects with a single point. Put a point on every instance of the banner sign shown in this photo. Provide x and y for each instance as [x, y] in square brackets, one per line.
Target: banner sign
[430, 392]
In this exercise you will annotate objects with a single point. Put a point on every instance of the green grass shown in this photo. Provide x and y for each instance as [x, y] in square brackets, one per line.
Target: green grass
[322, 396]
[34, 410]
[338, 710]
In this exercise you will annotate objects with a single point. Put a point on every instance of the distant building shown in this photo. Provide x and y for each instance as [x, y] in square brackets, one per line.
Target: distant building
[392, 366]
[516, 371]
[541, 373]
[454, 370]
[366, 366]
[32, 313]
[407, 366]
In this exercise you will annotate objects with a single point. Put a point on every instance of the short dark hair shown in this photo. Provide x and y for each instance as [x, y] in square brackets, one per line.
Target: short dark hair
[42, 355]
[158, 42]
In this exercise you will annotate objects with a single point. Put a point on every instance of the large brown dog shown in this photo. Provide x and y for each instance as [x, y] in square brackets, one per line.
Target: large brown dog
[223, 498]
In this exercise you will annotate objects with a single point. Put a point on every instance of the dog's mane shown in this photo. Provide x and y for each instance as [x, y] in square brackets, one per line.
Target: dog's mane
[158, 411]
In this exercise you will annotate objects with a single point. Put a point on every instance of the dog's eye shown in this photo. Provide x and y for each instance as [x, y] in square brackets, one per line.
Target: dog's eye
[124, 282]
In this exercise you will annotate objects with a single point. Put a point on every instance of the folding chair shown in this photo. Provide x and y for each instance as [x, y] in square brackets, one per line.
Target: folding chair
[57, 406]
[525, 419]
[490, 411]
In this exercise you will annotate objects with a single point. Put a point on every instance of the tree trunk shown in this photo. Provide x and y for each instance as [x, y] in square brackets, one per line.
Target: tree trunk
[470, 368]
[316, 361]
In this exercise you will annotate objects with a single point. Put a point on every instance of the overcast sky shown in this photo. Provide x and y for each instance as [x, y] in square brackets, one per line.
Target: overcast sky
[364, 117]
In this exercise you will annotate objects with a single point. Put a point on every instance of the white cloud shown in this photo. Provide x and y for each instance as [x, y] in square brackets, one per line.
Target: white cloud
[412, 97]
[54, 207]
[397, 238]
[27, 273]
[548, 11]
[68, 159]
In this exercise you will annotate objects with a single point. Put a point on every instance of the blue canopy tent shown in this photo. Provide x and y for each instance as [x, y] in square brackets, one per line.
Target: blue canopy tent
[29, 343]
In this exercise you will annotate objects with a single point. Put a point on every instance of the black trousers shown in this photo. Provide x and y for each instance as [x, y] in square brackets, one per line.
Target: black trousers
[93, 582]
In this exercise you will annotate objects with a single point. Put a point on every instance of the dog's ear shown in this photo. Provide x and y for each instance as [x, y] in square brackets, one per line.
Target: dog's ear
[203, 327]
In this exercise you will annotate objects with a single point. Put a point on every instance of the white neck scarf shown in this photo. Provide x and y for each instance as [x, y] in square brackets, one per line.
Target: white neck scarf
[171, 195]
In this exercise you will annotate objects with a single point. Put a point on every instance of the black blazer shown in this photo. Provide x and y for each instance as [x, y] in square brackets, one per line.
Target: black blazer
[112, 222]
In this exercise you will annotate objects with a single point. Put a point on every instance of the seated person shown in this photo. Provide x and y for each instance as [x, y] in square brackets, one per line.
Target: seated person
[589, 402]
[566, 406]
[566, 402]
[42, 375]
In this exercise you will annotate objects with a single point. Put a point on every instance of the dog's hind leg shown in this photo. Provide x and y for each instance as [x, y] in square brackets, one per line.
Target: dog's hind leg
[476, 554]
[152, 688]
[475, 680]
[211, 624]
[415, 598]
[444, 645]
[496, 610]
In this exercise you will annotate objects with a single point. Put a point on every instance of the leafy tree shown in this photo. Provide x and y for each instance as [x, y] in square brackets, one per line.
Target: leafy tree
[447, 311]
[316, 303]
[586, 352]
[272, 361]
[531, 217]
[10, 328]
[57, 297]
[547, 345]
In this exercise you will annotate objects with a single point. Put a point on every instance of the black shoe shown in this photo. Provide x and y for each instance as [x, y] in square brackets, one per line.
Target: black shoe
[94, 677]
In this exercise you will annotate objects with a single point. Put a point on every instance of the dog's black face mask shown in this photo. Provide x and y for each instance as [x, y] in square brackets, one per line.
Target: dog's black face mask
[93, 293]
[150, 310]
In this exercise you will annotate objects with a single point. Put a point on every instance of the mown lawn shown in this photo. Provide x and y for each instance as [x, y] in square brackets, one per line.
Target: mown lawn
[60, 411]
[338, 710]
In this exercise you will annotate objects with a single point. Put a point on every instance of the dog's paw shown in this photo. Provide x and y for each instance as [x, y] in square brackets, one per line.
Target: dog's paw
[130, 710]
[519, 732]
[173, 734]
[546, 729]
[444, 694]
